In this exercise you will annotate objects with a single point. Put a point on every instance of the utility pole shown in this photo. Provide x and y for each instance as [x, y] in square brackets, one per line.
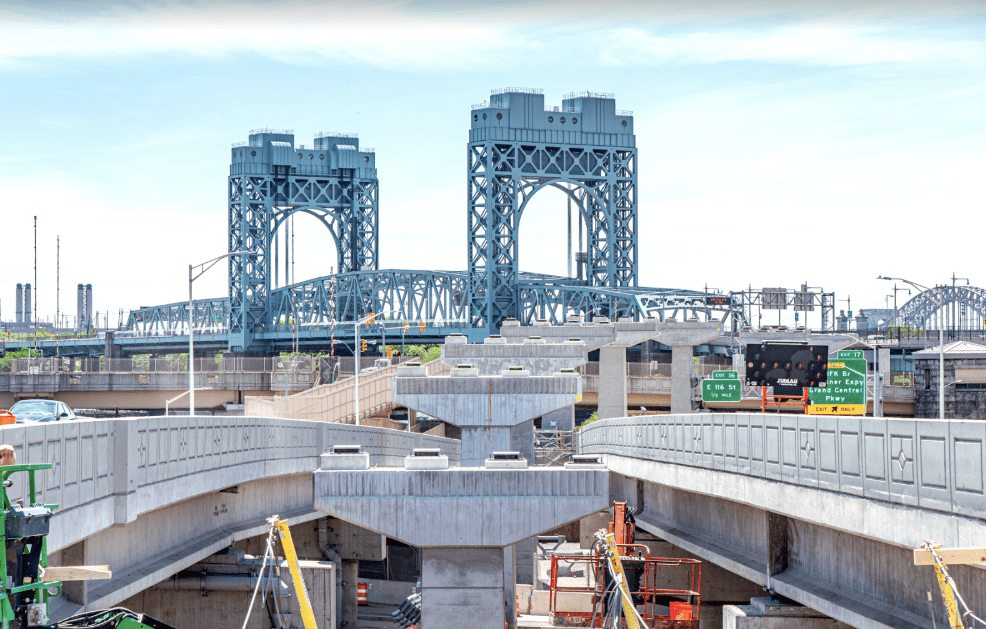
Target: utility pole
[955, 305]
[35, 283]
[896, 323]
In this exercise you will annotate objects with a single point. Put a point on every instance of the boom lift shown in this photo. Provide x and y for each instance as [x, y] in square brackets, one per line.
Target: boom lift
[627, 578]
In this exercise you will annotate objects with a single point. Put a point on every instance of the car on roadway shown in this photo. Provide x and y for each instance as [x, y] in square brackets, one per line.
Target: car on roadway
[31, 411]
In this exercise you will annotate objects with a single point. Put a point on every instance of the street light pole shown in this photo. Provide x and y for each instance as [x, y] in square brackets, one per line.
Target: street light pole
[205, 266]
[941, 337]
[370, 317]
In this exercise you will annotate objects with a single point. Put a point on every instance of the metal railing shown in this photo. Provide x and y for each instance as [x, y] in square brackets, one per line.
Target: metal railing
[334, 134]
[587, 94]
[517, 90]
[266, 130]
[173, 364]
[553, 448]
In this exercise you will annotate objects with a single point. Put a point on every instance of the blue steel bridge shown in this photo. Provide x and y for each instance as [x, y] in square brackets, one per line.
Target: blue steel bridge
[585, 147]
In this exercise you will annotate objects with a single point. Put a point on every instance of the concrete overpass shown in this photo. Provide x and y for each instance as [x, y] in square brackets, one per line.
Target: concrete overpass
[823, 510]
[152, 496]
[125, 383]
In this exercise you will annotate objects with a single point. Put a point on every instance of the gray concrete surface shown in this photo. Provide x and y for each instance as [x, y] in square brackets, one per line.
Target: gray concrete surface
[541, 359]
[151, 496]
[612, 400]
[768, 613]
[813, 508]
[682, 337]
[495, 413]
[463, 587]
[461, 506]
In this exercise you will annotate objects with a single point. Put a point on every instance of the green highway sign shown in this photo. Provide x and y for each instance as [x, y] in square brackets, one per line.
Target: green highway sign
[850, 353]
[725, 375]
[721, 390]
[846, 390]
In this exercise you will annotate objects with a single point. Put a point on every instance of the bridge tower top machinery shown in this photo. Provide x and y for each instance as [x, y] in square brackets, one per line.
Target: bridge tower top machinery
[517, 146]
[270, 179]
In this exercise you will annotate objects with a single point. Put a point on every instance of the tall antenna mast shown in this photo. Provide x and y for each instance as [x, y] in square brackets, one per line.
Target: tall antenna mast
[58, 291]
[35, 283]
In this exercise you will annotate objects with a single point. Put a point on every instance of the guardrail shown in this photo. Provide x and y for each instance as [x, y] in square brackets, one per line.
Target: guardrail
[925, 463]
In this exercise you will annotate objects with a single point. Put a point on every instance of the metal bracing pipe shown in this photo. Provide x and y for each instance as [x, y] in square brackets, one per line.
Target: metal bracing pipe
[221, 583]
[333, 556]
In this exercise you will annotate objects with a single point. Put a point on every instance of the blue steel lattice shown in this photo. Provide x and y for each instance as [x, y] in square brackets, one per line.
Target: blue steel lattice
[270, 179]
[586, 148]
[921, 310]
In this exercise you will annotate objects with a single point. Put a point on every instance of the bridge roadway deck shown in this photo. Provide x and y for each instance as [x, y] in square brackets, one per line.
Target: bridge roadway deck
[824, 510]
[152, 496]
[148, 390]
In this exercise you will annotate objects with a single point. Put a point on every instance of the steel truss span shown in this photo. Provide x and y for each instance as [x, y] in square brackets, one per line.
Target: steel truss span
[587, 149]
[438, 298]
[553, 302]
[921, 311]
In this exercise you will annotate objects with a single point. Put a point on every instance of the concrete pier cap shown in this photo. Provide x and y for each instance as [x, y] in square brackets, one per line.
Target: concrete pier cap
[467, 522]
[459, 506]
[493, 412]
[530, 352]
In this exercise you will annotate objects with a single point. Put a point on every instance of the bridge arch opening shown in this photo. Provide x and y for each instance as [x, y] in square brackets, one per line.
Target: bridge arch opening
[549, 223]
[302, 248]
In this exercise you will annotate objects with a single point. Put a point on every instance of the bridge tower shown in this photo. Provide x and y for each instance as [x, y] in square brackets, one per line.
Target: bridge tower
[270, 179]
[587, 149]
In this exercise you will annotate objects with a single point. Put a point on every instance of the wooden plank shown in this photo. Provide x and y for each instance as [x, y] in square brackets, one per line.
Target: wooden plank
[951, 556]
[76, 573]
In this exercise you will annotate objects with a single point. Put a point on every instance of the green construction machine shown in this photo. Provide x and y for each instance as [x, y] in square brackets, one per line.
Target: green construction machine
[24, 604]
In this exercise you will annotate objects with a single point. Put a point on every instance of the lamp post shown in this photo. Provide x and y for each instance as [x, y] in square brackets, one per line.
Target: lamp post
[192, 276]
[897, 323]
[941, 338]
[370, 318]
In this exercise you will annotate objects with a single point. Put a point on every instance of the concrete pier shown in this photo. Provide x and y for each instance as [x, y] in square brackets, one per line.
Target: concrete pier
[495, 413]
[467, 522]
[532, 354]
[683, 336]
[612, 339]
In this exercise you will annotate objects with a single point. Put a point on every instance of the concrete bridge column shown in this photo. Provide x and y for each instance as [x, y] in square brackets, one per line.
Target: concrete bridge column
[682, 362]
[350, 579]
[464, 586]
[612, 382]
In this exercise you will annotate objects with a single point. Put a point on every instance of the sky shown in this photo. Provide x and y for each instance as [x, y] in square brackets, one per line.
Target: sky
[779, 143]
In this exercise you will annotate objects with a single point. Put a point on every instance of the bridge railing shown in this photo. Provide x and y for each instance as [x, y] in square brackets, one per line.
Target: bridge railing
[173, 364]
[146, 463]
[917, 462]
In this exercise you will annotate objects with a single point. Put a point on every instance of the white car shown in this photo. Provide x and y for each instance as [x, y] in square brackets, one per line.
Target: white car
[31, 411]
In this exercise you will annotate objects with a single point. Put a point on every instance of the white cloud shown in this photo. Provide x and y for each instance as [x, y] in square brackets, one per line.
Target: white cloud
[417, 37]
[818, 44]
